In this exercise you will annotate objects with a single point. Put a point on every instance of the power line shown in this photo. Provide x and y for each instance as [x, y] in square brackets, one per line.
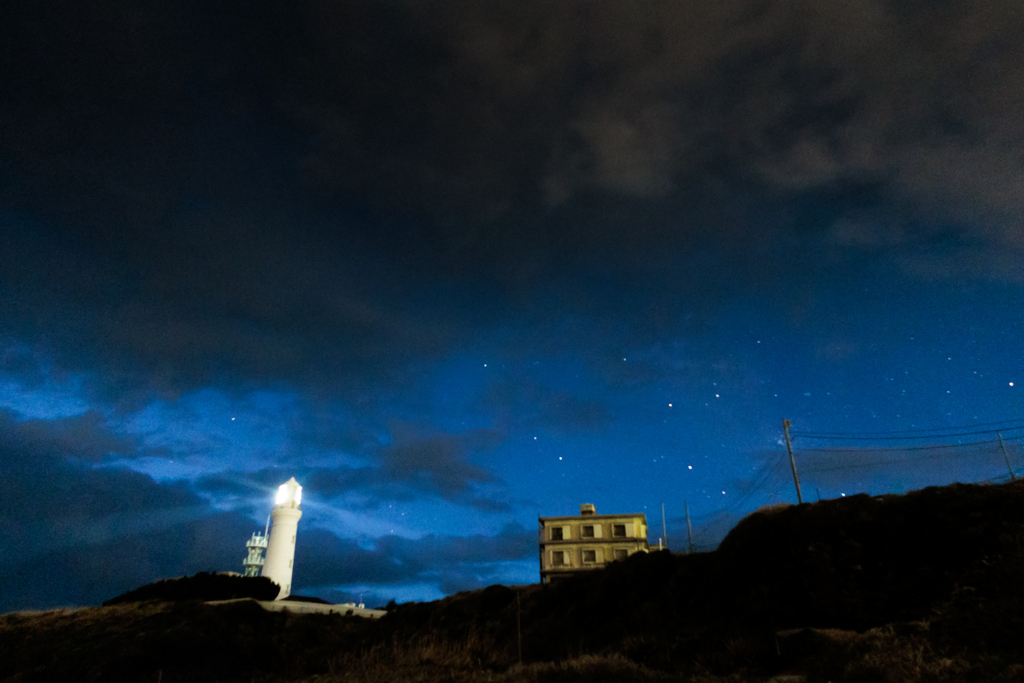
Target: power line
[867, 464]
[906, 438]
[770, 467]
[760, 482]
[708, 547]
[906, 448]
[1003, 425]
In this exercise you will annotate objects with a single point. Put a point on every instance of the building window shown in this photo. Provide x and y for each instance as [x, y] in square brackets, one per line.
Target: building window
[556, 533]
[587, 531]
[290, 563]
[558, 559]
[621, 553]
[619, 530]
[293, 540]
[590, 556]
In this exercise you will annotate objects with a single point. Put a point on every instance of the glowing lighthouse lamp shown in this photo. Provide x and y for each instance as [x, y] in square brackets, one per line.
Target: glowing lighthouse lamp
[281, 545]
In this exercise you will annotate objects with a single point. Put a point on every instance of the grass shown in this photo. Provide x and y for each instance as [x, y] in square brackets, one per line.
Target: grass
[438, 663]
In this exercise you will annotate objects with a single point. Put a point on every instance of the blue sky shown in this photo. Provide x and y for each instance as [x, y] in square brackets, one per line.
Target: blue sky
[454, 268]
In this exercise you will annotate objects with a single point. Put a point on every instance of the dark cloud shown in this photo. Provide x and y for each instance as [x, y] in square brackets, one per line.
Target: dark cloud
[344, 200]
[415, 464]
[321, 191]
[78, 534]
[545, 102]
[534, 405]
[477, 112]
[83, 437]
[451, 562]
[437, 462]
[99, 531]
[19, 361]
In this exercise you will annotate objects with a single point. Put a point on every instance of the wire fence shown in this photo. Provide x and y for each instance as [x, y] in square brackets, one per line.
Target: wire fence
[836, 464]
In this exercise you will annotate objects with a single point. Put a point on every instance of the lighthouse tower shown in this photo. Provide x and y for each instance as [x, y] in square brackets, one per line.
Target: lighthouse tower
[281, 545]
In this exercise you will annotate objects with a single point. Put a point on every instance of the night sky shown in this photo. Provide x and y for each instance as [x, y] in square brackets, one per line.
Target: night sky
[457, 264]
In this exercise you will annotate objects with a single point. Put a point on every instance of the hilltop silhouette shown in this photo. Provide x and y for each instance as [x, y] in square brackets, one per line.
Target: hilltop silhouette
[923, 586]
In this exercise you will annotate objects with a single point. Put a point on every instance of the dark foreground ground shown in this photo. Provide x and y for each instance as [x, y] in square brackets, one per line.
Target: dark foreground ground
[923, 587]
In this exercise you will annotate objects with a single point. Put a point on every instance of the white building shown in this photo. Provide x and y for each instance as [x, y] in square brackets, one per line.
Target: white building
[573, 544]
[280, 559]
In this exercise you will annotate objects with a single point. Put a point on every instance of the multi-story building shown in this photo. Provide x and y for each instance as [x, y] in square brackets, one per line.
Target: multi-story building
[570, 545]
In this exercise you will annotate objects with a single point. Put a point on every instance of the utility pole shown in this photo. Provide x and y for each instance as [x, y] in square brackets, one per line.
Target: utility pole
[1005, 457]
[664, 533]
[689, 529]
[792, 463]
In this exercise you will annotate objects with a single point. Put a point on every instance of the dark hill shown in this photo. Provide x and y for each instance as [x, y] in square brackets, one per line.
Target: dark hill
[919, 587]
[204, 586]
[861, 561]
[851, 563]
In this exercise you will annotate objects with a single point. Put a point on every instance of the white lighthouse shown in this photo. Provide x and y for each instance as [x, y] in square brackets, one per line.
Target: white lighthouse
[281, 545]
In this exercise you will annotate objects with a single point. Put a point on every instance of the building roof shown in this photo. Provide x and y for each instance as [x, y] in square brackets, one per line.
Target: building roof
[622, 514]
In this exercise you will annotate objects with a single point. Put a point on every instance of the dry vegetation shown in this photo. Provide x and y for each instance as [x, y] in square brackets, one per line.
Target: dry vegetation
[923, 587]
